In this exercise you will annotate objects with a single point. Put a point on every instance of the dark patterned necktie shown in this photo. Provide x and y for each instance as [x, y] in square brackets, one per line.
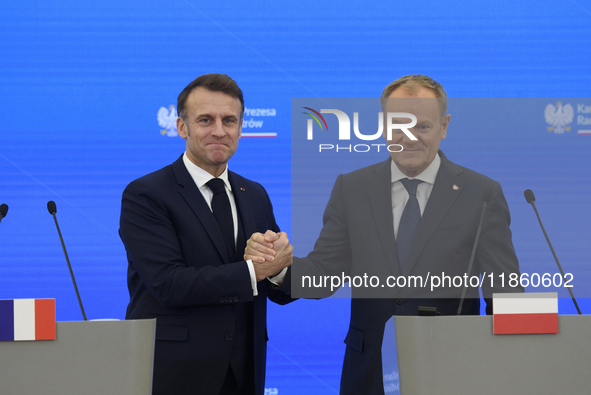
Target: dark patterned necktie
[220, 204]
[409, 223]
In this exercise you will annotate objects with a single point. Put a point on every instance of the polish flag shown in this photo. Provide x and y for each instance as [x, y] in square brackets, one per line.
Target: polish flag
[27, 319]
[525, 313]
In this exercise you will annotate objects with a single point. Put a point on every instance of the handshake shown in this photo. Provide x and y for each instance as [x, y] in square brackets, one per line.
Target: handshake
[270, 253]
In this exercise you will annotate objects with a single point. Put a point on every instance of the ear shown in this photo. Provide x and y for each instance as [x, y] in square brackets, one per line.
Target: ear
[240, 128]
[182, 128]
[445, 125]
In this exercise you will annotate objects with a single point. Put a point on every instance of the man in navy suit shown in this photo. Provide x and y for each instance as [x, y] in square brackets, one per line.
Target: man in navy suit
[364, 223]
[184, 228]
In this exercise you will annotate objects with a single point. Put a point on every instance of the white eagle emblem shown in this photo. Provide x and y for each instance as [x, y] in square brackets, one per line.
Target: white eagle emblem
[167, 120]
[558, 117]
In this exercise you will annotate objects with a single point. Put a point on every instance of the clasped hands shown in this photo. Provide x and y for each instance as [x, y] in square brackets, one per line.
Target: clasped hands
[270, 253]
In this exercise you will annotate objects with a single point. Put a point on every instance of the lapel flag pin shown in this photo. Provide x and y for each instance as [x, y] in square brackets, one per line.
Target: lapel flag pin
[242, 189]
[455, 187]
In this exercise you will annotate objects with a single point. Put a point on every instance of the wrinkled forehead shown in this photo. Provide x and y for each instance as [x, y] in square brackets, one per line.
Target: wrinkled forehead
[202, 101]
[420, 107]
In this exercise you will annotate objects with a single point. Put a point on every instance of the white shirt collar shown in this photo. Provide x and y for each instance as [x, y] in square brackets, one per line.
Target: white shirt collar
[428, 175]
[200, 176]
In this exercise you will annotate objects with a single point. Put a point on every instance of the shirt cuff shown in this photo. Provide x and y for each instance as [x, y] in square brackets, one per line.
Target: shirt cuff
[253, 278]
[278, 279]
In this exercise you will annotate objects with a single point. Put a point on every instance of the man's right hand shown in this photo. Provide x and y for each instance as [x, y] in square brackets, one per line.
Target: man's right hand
[270, 253]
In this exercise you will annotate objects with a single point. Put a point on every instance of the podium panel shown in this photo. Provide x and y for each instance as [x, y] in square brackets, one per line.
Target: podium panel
[452, 355]
[92, 357]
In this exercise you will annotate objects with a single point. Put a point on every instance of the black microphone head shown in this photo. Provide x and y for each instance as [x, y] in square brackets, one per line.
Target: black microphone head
[529, 196]
[51, 207]
[486, 196]
[3, 209]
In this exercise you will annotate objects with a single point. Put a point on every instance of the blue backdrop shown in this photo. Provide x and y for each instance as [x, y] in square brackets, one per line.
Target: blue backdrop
[82, 83]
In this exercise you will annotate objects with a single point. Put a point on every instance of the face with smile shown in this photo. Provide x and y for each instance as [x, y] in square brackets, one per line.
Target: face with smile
[430, 129]
[212, 129]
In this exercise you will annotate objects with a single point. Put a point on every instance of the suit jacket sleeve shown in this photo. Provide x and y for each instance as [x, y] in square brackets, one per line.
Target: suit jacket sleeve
[331, 255]
[495, 252]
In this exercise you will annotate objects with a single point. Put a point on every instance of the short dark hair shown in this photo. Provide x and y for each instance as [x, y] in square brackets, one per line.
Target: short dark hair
[412, 83]
[212, 82]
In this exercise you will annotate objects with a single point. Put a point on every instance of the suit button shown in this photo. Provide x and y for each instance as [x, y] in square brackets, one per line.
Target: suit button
[229, 337]
[399, 301]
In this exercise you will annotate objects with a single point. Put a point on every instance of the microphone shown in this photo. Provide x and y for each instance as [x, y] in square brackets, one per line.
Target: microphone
[529, 196]
[52, 210]
[3, 210]
[485, 199]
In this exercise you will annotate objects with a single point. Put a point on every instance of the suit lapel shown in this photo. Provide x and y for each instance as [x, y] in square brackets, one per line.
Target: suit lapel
[243, 204]
[442, 197]
[245, 210]
[198, 205]
[379, 190]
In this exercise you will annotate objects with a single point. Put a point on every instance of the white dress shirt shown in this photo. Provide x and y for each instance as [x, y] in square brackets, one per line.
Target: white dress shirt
[400, 194]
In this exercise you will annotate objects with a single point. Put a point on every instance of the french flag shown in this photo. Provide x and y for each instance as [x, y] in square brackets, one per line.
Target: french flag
[27, 319]
[525, 313]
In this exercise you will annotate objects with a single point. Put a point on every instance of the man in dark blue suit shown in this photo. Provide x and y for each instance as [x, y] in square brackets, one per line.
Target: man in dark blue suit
[184, 228]
[368, 232]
